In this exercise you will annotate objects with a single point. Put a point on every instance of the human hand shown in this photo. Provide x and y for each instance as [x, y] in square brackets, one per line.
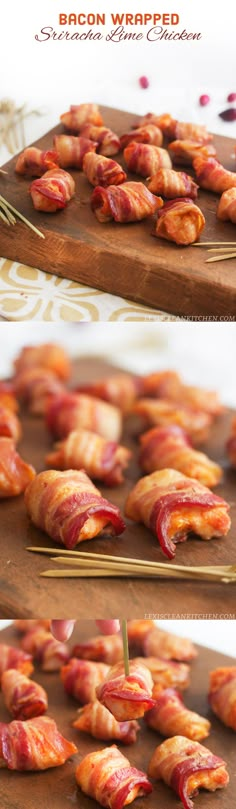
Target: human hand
[62, 630]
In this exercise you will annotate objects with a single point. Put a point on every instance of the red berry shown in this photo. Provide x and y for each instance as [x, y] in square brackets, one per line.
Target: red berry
[144, 82]
[228, 115]
[203, 100]
[231, 97]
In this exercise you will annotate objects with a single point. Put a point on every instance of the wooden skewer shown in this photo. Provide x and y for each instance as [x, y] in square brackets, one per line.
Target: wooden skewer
[206, 244]
[20, 216]
[220, 258]
[125, 647]
[88, 573]
[2, 171]
[145, 569]
[221, 249]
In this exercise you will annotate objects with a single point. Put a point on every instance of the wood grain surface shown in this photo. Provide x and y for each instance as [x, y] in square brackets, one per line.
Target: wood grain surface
[123, 259]
[56, 788]
[23, 593]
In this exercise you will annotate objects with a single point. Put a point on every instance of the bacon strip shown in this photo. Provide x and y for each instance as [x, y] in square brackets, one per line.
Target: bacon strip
[106, 648]
[146, 159]
[107, 142]
[81, 677]
[34, 745]
[101, 459]
[96, 720]
[34, 386]
[143, 134]
[180, 221]
[158, 642]
[164, 413]
[119, 389]
[68, 507]
[179, 130]
[72, 150]
[170, 717]
[165, 673]
[71, 411]
[81, 114]
[227, 206]
[45, 355]
[23, 698]
[35, 162]
[186, 767]
[46, 650]
[169, 385]
[11, 658]
[171, 184]
[212, 175]
[129, 202]
[127, 697]
[102, 170]
[137, 632]
[170, 447]
[15, 474]
[10, 426]
[51, 192]
[222, 694]
[184, 151]
[108, 777]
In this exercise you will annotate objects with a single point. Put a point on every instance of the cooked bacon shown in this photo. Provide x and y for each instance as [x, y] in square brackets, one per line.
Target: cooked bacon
[161, 121]
[184, 151]
[169, 385]
[96, 720]
[164, 644]
[69, 508]
[102, 170]
[128, 202]
[11, 658]
[170, 717]
[46, 650]
[127, 697]
[172, 505]
[106, 648]
[107, 141]
[24, 625]
[7, 397]
[171, 184]
[101, 459]
[180, 221]
[119, 389]
[163, 413]
[52, 191]
[108, 777]
[170, 447]
[212, 175]
[15, 474]
[72, 150]
[145, 159]
[231, 445]
[74, 411]
[81, 114]
[222, 694]
[81, 677]
[35, 162]
[143, 134]
[10, 426]
[34, 745]
[186, 767]
[45, 355]
[34, 386]
[165, 673]
[23, 698]
[137, 632]
[227, 206]
[179, 130]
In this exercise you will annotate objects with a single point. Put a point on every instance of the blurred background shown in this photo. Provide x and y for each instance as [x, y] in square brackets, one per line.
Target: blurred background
[204, 353]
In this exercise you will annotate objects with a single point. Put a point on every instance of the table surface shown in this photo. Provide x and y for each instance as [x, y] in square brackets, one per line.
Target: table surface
[57, 790]
[24, 593]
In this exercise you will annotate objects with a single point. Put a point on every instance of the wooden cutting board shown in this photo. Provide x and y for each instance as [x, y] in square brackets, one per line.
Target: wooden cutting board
[56, 788]
[123, 259]
[23, 593]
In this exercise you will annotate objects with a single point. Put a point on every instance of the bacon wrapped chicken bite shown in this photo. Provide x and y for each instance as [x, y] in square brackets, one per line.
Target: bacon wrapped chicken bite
[186, 767]
[35, 162]
[137, 632]
[108, 777]
[11, 658]
[68, 507]
[180, 130]
[46, 355]
[180, 221]
[71, 150]
[107, 141]
[119, 389]
[81, 114]
[146, 159]
[184, 151]
[171, 184]
[170, 447]
[161, 121]
[81, 677]
[170, 717]
[23, 698]
[35, 744]
[46, 650]
[227, 206]
[231, 445]
[102, 170]
[129, 202]
[173, 506]
[96, 720]
[127, 697]
[222, 694]
[169, 385]
[165, 673]
[15, 474]
[212, 175]
[143, 134]
[10, 426]
[101, 459]
[160, 643]
[106, 648]
[163, 413]
[52, 191]
[7, 397]
[35, 386]
[74, 411]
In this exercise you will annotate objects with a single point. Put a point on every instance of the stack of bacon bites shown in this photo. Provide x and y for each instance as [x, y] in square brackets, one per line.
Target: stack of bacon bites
[156, 187]
[113, 709]
[172, 496]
